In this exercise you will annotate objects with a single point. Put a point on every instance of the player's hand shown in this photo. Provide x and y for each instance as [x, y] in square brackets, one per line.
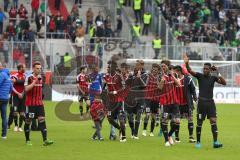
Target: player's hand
[185, 58]
[138, 74]
[20, 95]
[214, 68]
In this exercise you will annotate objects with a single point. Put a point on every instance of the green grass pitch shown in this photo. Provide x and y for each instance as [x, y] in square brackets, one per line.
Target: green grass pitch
[72, 141]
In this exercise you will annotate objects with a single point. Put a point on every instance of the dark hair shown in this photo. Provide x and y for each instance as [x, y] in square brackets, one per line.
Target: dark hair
[19, 66]
[166, 62]
[124, 65]
[208, 64]
[140, 62]
[155, 65]
[178, 68]
[82, 68]
[36, 63]
[112, 64]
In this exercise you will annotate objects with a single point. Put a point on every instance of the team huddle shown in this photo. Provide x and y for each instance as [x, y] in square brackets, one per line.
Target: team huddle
[165, 94]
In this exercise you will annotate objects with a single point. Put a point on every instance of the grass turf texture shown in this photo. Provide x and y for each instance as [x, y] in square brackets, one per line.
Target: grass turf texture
[72, 141]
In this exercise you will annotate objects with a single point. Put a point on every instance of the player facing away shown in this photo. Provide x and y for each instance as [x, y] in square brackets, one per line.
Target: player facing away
[206, 105]
[18, 98]
[83, 89]
[136, 97]
[186, 93]
[115, 89]
[34, 104]
[169, 101]
[152, 96]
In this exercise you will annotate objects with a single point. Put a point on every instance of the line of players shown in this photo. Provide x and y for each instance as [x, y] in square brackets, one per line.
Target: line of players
[27, 102]
[165, 93]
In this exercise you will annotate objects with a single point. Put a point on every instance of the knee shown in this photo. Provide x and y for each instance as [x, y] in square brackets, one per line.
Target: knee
[41, 119]
[28, 121]
[213, 121]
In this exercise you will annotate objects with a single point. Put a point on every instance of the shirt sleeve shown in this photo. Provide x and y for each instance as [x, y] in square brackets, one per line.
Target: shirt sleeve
[198, 75]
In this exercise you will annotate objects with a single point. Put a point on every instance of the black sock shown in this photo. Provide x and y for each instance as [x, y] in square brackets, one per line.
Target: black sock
[21, 119]
[81, 110]
[165, 131]
[145, 122]
[214, 131]
[198, 130]
[190, 129]
[87, 109]
[27, 131]
[145, 126]
[173, 128]
[177, 128]
[43, 128]
[114, 123]
[15, 118]
[152, 125]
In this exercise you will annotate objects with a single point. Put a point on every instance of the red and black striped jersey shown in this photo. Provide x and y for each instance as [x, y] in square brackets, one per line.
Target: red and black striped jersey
[152, 92]
[34, 96]
[115, 83]
[19, 82]
[168, 95]
[83, 82]
[180, 93]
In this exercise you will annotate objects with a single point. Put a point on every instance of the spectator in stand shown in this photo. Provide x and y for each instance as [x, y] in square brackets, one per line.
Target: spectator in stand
[11, 31]
[100, 31]
[75, 11]
[107, 21]
[79, 3]
[42, 7]
[39, 20]
[35, 6]
[41, 33]
[108, 31]
[15, 3]
[60, 27]
[2, 18]
[5, 4]
[24, 24]
[71, 31]
[56, 60]
[30, 35]
[99, 19]
[119, 26]
[79, 41]
[22, 11]
[12, 15]
[57, 4]
[89, 18]
[52, 26]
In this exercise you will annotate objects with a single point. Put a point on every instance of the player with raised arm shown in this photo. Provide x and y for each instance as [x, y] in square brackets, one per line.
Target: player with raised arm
[206, 105]
[34, 104]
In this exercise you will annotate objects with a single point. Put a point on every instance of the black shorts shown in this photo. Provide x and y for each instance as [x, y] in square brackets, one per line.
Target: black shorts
[83, 97]
[18, 104]
[116, 109]
[152, 107]
[185, 111]
[206, 108]
[34, 112]
[171, 111]
[138, 108]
